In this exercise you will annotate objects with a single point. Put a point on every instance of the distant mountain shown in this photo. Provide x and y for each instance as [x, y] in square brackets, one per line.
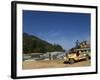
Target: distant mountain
[33, 44]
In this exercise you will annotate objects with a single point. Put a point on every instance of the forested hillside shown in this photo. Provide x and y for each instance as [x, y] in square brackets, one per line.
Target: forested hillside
[33, 44]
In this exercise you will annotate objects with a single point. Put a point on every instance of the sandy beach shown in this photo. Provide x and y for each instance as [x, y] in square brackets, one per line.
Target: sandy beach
[29, 64]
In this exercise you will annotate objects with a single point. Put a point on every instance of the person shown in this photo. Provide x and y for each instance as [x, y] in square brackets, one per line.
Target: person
[49, 56]
[77, 43]
[77, 53]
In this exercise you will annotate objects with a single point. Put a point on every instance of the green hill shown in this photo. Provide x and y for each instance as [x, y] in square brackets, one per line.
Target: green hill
[33, 44]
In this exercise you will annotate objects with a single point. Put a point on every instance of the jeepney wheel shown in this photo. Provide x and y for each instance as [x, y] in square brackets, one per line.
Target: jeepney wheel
[71, 61]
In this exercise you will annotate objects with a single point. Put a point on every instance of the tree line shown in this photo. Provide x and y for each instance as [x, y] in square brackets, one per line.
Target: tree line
[33, 44]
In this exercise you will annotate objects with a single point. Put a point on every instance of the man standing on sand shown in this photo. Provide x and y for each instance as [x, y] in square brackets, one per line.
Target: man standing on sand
[49, 56]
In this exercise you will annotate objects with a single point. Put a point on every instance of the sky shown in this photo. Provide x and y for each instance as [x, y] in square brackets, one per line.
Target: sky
[61, 28]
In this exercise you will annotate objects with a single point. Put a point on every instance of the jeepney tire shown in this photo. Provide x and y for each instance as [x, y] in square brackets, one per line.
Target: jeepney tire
[65, 62]
[89, 57]
[71, 61]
